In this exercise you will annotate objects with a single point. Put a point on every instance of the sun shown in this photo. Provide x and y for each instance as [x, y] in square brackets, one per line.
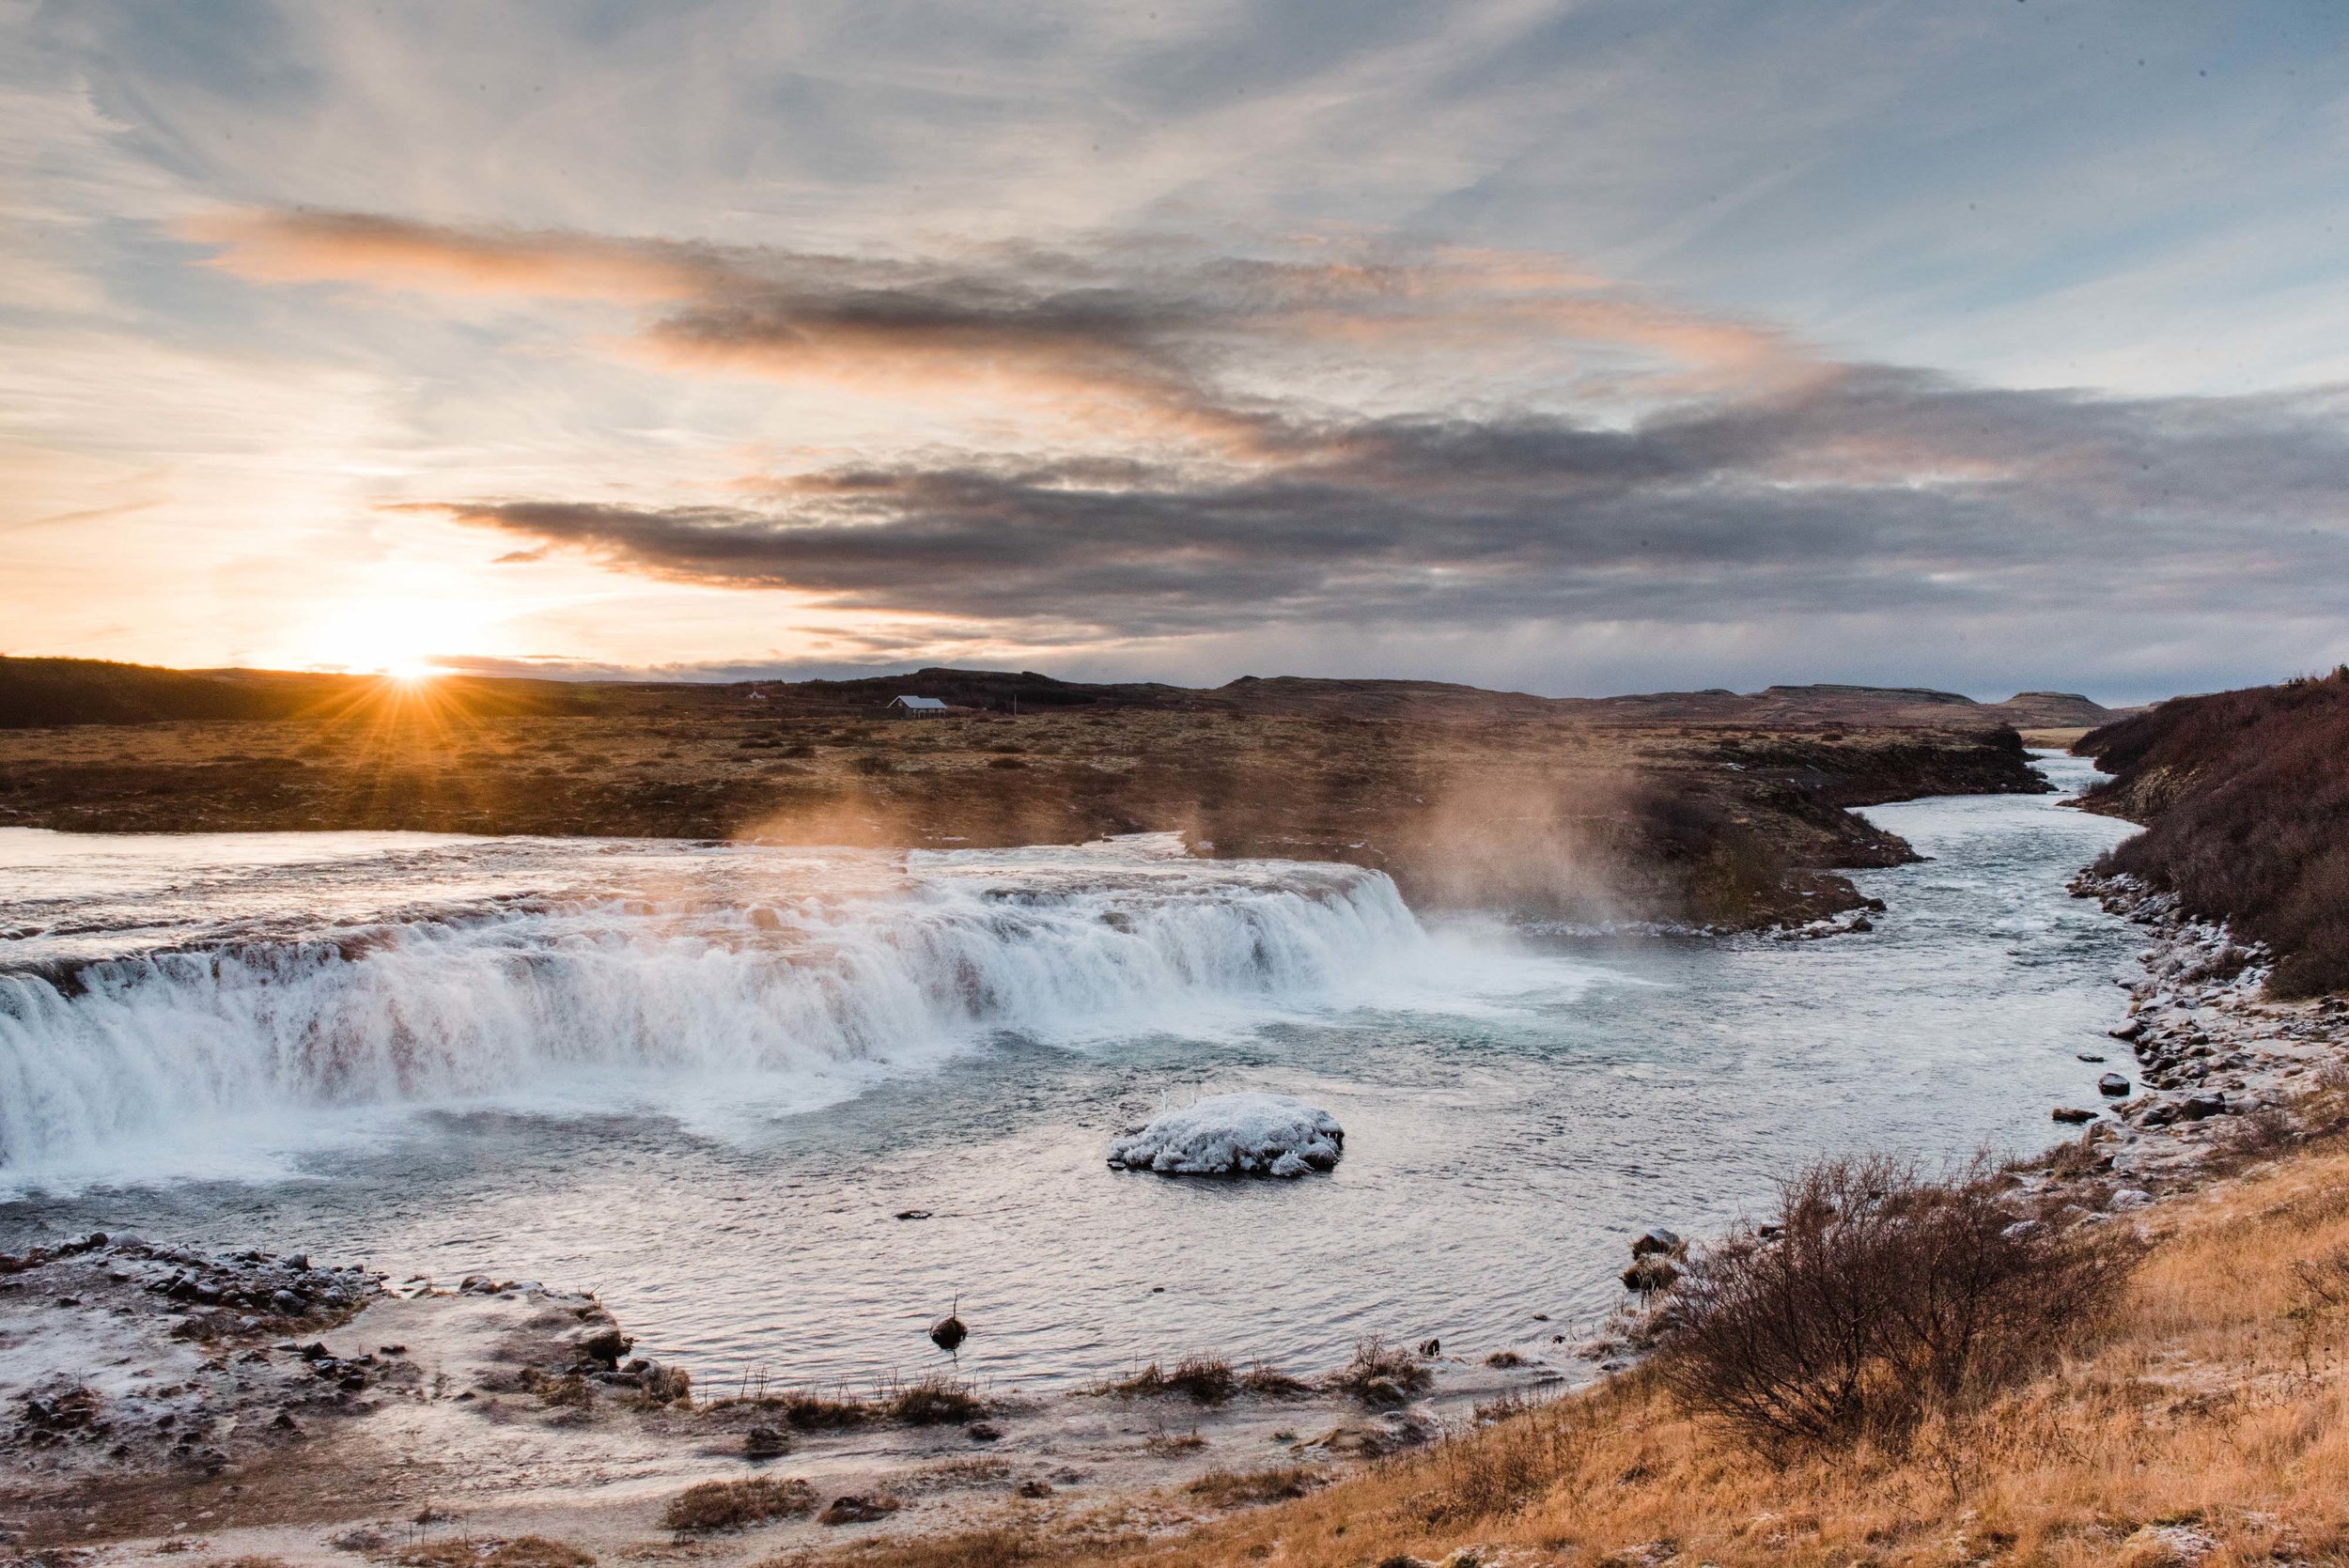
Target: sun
[405, 638]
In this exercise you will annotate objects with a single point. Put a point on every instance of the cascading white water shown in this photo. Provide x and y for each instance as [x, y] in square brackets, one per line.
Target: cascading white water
[774, 974]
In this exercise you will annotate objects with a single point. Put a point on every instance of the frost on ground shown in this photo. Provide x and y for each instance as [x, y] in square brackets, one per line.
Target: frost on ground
[1233, 1135]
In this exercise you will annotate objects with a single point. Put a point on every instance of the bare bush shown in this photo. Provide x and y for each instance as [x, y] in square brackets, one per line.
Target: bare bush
[1380, 1374]
[1883, 1297]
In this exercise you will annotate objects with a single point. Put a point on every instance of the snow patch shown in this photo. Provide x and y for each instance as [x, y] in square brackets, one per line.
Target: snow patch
[1233, 1135]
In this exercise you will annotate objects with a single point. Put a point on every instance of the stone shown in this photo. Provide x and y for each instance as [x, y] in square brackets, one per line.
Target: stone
[858, 1509]
[2112, 1086]
[1656, 1239]
[2202, 1107]
[606, 1344]
[2072, 1114]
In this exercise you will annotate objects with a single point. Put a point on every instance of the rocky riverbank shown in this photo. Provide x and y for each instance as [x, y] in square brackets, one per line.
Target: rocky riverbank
[156, 1402]
[2217, 1061]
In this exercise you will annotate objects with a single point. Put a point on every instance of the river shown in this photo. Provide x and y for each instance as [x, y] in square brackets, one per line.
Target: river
[703, 1080]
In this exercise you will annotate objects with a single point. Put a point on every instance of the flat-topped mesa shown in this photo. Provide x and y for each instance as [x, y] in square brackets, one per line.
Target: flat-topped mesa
[1233, 1135]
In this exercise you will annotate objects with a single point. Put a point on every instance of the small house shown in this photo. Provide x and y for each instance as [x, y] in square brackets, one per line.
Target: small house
[916, 708]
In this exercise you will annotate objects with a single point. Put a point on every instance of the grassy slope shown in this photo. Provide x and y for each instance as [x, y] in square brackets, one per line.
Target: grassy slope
[2244, 796]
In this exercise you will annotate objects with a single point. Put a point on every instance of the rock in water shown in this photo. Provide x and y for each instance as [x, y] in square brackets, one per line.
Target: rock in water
[1233, 1135]
[2112, 1086]
[948, 1333]
[1655, 1238]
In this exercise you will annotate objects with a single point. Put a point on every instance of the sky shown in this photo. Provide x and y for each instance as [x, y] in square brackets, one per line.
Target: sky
[1570, 348]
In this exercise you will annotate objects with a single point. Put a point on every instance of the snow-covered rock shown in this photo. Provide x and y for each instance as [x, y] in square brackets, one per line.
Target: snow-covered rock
[1233, 1135]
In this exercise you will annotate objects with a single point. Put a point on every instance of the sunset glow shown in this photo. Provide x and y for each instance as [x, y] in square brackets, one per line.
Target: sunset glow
[1558, 348]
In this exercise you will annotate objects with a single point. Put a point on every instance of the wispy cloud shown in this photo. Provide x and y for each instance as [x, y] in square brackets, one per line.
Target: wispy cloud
[1121, 330]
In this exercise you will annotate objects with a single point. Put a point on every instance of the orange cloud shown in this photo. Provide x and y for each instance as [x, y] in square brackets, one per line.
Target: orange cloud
[391, 253]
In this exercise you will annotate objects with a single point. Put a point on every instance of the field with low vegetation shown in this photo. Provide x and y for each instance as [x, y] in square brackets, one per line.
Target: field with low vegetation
[1705, 808]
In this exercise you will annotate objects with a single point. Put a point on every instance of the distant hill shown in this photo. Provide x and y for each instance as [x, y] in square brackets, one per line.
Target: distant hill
[2056, 710]
[1429, 701]
[41, 692]
[37, 692]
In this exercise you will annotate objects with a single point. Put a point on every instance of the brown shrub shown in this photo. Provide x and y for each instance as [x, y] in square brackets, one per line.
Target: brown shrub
[1883, 1299]
[732, 1504]
[1203, 1379]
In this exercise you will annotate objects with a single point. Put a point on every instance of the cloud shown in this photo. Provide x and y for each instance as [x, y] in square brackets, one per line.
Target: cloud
[1866, 490]
[390, 253]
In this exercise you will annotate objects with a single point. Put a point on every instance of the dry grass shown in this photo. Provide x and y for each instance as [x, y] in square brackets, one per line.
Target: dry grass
[733, 1504]
[939, 1401]
[934, 1401]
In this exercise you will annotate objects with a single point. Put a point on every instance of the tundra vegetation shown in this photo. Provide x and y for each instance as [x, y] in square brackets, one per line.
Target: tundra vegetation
[2245, 798]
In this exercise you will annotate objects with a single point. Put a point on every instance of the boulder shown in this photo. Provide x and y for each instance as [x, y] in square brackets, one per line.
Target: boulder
[2072, 1114]
[2112, 1086]
[2202, 1107]
[1233, 1135]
